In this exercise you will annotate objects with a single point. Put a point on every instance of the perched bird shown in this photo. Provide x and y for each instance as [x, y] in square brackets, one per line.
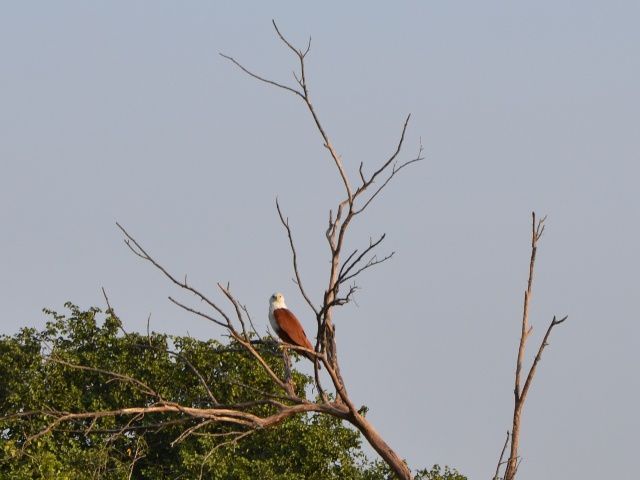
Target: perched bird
[286, 325]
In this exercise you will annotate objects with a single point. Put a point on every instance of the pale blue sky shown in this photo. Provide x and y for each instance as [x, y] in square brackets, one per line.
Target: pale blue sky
[124, 111]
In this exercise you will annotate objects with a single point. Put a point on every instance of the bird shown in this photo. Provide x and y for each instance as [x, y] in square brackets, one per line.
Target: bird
[286, 325]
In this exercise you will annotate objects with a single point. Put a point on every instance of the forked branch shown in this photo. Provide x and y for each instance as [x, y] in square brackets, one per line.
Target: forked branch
[286, 402]
[301, 79]
[241, 336]
[354, 203]
[520, 392]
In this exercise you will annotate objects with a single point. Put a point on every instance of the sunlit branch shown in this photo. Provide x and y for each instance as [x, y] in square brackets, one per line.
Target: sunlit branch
[520, 393]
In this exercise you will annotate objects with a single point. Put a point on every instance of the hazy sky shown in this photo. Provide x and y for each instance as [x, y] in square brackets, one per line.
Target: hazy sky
[123, 111]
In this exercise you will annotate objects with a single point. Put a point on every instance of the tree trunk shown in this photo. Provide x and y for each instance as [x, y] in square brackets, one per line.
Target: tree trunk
[512, 464]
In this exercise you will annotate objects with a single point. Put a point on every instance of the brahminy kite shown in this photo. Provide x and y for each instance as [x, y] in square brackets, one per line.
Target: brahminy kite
[286, 325]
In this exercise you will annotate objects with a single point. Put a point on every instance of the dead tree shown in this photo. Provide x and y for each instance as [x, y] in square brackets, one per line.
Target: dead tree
[360, 189]
[520, 391]
[234, 319]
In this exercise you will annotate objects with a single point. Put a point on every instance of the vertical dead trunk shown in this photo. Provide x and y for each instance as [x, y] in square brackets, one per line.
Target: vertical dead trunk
[520, 390]
[512, 463]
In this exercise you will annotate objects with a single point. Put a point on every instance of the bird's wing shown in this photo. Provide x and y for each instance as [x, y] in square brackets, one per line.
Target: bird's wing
[291, 330]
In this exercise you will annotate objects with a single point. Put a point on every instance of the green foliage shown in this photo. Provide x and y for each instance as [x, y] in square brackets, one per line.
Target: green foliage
[305, 446]
[436, 473]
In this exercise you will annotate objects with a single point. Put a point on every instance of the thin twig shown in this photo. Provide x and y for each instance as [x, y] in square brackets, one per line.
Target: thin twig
[394, 172]
[144, 255]
[500, 462]
[346, 268]
[258, 77]
[294, 255]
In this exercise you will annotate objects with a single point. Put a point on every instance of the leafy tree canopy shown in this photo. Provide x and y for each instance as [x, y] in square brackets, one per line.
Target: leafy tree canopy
[37, 376]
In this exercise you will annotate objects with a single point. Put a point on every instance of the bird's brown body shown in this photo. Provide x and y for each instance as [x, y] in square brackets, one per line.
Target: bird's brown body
[287, 326]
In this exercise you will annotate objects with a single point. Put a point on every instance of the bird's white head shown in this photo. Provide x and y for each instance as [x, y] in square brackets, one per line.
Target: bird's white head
[277, 301]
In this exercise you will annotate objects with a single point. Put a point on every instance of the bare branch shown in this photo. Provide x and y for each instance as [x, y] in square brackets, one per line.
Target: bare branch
[177, 355]
[288, 376]
[294, 255]
[253, 328]
[361, 173]
[500, 461]
[346, 267]
[339, 301]
[143, 387]
[299, 53]
[155, 427]
[391, 158]
[325, 352]
[393, 173]
[144, 255]
[372, 262]
[183, 359]
[520, 393]
[197, 373]
[305, 96]
[248, 346]
[258, 77]
[189, 431]
[227, 292]
[110, 310]
[219, 415]
[138, 250]
[543, 344]
[536, 229]
[265, 394]
[197, 312]
[136, 457]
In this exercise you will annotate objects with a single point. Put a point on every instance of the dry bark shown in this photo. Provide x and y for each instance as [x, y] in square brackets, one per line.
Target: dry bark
[520, 391]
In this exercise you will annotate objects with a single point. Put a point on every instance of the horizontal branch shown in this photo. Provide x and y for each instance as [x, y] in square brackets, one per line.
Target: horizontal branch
[143, 387]
[372, 262]
[221, 415]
